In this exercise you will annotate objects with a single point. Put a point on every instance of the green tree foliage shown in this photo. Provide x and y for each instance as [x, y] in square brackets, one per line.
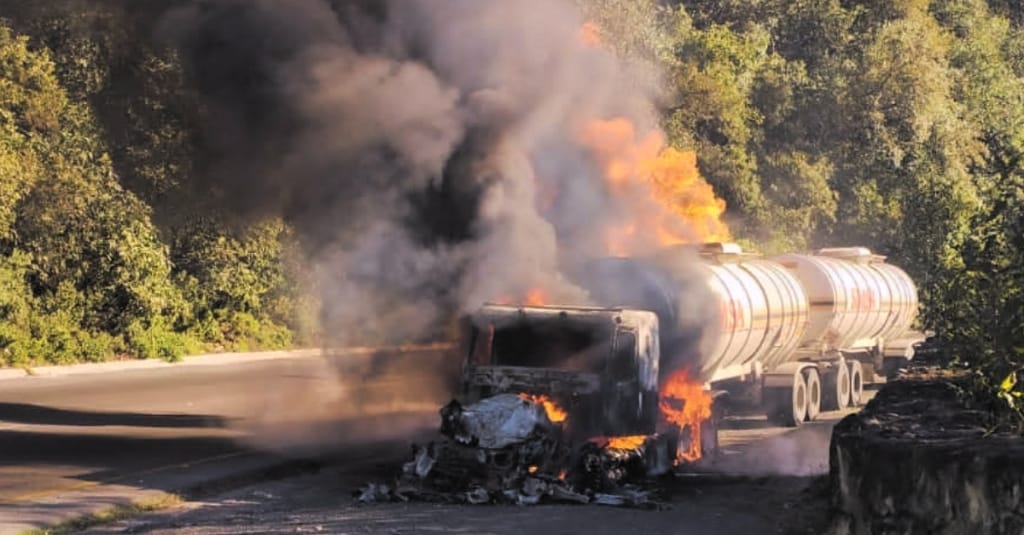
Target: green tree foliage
[739, 104]
[631, 29]
[83, 265]
[241, 285]
[97, 256]
[986, 318]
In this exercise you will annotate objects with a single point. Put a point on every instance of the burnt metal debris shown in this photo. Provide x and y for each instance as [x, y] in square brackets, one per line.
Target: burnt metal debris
[505, 450]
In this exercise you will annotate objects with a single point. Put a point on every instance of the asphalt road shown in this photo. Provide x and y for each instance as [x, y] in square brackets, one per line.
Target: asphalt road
[74, 442]
[769, 480]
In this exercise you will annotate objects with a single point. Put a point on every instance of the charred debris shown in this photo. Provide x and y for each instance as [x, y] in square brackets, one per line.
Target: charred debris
[558, 404]
[506, 449]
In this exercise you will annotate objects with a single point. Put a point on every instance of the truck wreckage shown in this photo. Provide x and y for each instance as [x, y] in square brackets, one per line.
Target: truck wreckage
[559, 404]
[586, 404]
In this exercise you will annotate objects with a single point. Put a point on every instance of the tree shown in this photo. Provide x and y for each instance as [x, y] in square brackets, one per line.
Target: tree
[981, 315]
[82, 261]
[31, 103]
[120, 175]
[739, 104]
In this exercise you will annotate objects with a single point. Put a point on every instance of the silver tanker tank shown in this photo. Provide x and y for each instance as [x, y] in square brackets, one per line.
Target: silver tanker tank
[760, 307]
[722, 312]
[799, 333]
[857, 302]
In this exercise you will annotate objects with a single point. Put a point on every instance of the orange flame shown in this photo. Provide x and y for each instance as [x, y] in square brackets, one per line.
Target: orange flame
[533, 298]
[686, 404]
[589, 35]
[630, 442]
[555, 413]
[638, 169]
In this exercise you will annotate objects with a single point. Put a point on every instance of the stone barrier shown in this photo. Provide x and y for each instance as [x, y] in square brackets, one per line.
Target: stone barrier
[919, 460]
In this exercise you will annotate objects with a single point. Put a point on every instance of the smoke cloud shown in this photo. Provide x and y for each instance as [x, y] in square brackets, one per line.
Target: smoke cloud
[761, 451]
[427, 150]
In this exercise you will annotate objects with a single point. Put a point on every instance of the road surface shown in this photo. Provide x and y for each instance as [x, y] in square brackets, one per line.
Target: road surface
[76, 443]
[771, 482]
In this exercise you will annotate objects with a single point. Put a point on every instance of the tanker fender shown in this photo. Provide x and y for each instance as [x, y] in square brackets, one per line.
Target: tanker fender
[781, 376]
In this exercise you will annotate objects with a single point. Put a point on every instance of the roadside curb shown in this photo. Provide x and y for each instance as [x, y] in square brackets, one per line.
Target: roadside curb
[208, 359]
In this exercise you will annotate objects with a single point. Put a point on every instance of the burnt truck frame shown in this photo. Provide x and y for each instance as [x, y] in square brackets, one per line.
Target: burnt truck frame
[599, 364]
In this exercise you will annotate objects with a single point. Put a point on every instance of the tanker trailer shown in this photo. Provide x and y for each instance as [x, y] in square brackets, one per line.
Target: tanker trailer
[862, 312]
[794, 334]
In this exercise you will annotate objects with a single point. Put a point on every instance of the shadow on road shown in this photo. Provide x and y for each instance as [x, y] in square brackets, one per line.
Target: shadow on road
[36, 460]
[111, 453]
[24, 413]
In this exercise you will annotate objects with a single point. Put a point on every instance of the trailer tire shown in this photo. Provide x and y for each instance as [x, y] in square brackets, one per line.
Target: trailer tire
[836, 387]
[813, 380]
[856, 383]
[709, 444]
[709, 438]
[787, 406]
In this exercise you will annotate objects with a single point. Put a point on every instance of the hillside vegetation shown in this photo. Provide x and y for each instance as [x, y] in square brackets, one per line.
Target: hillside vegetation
[897, 125]
[102, 252]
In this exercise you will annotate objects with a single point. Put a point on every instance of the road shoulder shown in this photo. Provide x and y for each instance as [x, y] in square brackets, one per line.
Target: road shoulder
[102, 503]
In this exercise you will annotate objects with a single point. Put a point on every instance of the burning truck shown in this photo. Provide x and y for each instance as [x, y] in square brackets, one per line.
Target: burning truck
[586, 404]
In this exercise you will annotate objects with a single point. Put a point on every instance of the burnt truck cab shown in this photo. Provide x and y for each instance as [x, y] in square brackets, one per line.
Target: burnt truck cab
[598, 364]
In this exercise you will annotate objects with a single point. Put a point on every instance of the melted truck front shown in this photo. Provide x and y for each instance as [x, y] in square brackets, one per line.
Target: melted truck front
[599, 364]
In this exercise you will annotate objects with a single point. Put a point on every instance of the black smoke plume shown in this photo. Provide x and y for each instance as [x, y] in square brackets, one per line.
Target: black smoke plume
[425, 149]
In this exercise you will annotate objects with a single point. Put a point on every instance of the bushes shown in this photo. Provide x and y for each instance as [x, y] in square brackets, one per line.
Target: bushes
[248, 333]
[157, 340]
[85, 273]
[43, 330]
[242, 295]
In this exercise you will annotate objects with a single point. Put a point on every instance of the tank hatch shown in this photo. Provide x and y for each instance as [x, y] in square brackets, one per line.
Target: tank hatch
[854, 254]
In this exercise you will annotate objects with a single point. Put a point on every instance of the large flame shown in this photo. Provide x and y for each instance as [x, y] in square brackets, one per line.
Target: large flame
[589, 34]
[535, 297]
[629, 442]
[555, 413]
[686, 404]
[685, 208]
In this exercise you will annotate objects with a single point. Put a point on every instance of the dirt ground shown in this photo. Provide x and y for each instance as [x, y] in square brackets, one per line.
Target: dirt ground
[769, 480]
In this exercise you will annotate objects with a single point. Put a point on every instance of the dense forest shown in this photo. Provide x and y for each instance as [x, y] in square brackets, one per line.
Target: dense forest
[897, 125]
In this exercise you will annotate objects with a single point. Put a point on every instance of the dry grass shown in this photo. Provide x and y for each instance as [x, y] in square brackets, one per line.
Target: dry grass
[113, 514]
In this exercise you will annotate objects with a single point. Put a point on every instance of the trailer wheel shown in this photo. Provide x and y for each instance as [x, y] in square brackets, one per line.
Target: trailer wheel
[813, 380]
[787, 406]
[836, 387]
[856, 383]
[709, 434]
